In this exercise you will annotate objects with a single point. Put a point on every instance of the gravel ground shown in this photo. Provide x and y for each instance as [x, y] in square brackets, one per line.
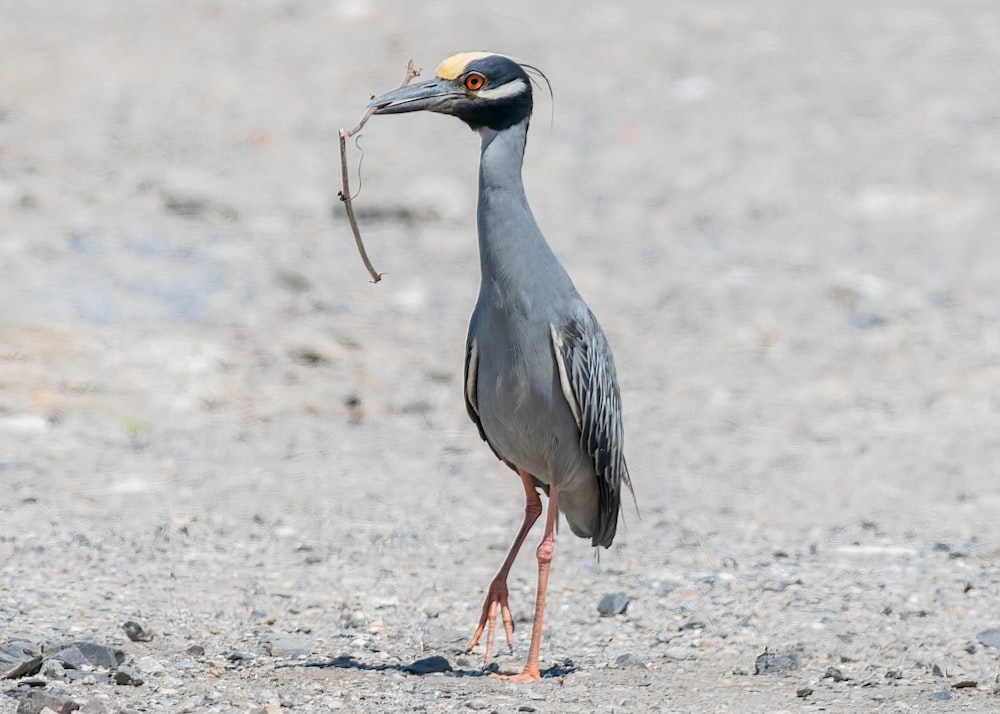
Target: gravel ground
[212, 425]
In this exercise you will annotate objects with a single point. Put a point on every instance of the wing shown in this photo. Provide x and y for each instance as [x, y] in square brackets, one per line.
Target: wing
[471, 386]
[590, 385]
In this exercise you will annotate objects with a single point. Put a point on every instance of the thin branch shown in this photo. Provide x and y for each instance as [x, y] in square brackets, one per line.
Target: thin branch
[345, 193]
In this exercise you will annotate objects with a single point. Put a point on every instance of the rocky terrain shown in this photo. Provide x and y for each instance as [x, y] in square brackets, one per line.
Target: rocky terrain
[236, 476]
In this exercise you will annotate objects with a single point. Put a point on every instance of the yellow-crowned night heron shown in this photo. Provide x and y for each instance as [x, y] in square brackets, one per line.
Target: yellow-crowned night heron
[540, 380]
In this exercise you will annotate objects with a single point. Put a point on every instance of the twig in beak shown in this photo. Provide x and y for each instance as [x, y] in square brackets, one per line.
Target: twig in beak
[345, 192]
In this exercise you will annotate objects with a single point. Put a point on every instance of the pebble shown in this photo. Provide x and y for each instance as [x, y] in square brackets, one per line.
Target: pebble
[629, 660]
[990, 638]
[613, 604]
[428, 665]
[137, 632]
[36, 700]
[283, 644]
[52, 669]
[836, 675]
[77, 654]
[127, 675]
[776, 662]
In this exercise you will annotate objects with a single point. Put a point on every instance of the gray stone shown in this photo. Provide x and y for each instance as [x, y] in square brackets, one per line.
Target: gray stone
[283, 644]
[776, 662]
[613, 604]
[78, 654]
[127, 675]
[19, 658]
[437, 663]
[38, 699]
[137, 632]
[990, 638]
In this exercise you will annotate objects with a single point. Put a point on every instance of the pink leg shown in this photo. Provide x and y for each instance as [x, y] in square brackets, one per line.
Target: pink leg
[496, 595]
[544, 554]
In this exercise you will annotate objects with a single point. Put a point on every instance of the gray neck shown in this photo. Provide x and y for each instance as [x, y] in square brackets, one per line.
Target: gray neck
[512, 250]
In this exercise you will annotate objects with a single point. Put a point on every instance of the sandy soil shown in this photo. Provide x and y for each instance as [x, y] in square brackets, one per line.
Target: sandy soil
[211, 423]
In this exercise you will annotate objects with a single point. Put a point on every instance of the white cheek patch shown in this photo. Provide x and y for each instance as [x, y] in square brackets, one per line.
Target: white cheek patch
[511, 89]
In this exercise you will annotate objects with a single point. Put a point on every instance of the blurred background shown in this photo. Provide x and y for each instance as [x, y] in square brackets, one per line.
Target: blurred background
[784, 215]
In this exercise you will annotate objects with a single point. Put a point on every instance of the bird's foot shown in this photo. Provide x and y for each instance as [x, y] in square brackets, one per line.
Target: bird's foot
[496, 599]
[528, 674]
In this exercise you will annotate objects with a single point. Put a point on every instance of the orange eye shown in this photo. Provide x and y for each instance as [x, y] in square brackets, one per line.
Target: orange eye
[474, 82]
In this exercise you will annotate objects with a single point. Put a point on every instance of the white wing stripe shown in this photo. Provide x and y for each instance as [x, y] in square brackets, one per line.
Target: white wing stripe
[567, 388]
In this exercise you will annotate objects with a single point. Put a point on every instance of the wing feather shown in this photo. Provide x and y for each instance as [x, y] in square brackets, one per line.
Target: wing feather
[590, 384]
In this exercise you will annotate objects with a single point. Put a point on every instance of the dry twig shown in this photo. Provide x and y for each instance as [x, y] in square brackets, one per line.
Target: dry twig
[345, 193]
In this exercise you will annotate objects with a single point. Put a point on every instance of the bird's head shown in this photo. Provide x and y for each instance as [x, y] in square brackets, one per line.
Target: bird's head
[480, 88]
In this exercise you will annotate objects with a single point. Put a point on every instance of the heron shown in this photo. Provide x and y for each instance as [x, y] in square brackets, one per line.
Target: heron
[540, 379]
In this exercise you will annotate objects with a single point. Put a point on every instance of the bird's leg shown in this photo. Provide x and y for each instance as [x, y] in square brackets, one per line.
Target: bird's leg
[544, 554]
[496, 595]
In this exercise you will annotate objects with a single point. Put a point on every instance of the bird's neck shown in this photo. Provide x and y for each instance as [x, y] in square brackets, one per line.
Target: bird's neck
[511, 246]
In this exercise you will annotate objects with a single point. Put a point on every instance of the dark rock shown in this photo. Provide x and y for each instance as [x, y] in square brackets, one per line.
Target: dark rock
[803, 692]
[965, 684]
[19, 658]
[196, 651]
[37, 699]
[437, 663]
[235, 656]
[136, 632]
[836, 675]
[942, 696]
[78, 654]
[990, 638]
[127, 675]
[613, 604]
[776, 662]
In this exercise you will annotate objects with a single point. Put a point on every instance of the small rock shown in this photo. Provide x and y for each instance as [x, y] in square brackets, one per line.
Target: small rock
[127, 675]
[613, 604]
[942, 696]
[235, 656]
[77, 654]
[678, 653]
[355, 619]
[526, 708]
[437, 663]
[803, 692]
[629, 660]
[19, 658]
[836, 675]
[51, 669]
[965, 684]
[196, 651]
[776, 662]
[990, 638]
[478, 705]
[150, 665]
[136, 632]
[281, 644]
[38, 699]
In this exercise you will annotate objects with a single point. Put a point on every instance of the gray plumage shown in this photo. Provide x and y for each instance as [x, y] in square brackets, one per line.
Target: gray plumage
[540, 381]
[540, 378]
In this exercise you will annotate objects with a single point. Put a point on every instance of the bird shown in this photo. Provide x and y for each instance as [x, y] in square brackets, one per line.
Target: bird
[539, 378]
